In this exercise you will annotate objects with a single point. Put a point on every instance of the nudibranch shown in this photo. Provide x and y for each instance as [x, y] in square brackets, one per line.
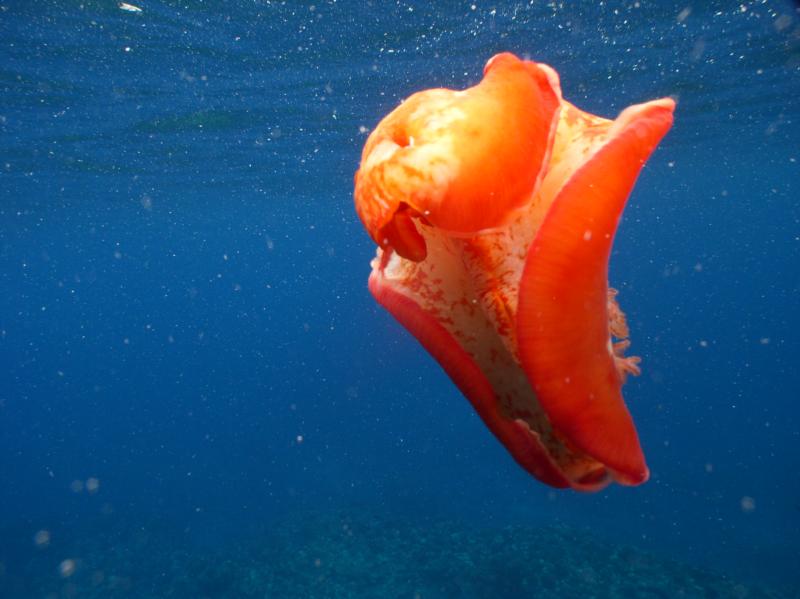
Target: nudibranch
[494, 209]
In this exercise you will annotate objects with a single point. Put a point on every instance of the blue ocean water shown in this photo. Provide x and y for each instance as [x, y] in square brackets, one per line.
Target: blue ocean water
[195, 384]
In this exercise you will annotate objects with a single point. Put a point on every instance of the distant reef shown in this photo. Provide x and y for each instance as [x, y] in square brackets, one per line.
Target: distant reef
[355, 555]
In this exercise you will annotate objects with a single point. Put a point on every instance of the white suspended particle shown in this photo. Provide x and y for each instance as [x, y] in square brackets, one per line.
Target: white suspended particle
[42, 538]
[129, 7]
[92, 485]
[67, 568]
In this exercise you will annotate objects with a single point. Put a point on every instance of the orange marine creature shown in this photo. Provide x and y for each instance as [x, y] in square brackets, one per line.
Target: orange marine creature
[494, 209]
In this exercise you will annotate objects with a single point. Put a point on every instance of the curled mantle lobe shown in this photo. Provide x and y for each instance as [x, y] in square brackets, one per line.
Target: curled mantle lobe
[495, 209]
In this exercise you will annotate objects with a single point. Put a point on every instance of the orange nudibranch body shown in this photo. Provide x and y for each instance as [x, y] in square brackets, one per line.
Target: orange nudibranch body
[495, 209]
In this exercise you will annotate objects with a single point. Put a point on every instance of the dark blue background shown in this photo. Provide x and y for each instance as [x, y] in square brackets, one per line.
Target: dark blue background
[183, 278]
